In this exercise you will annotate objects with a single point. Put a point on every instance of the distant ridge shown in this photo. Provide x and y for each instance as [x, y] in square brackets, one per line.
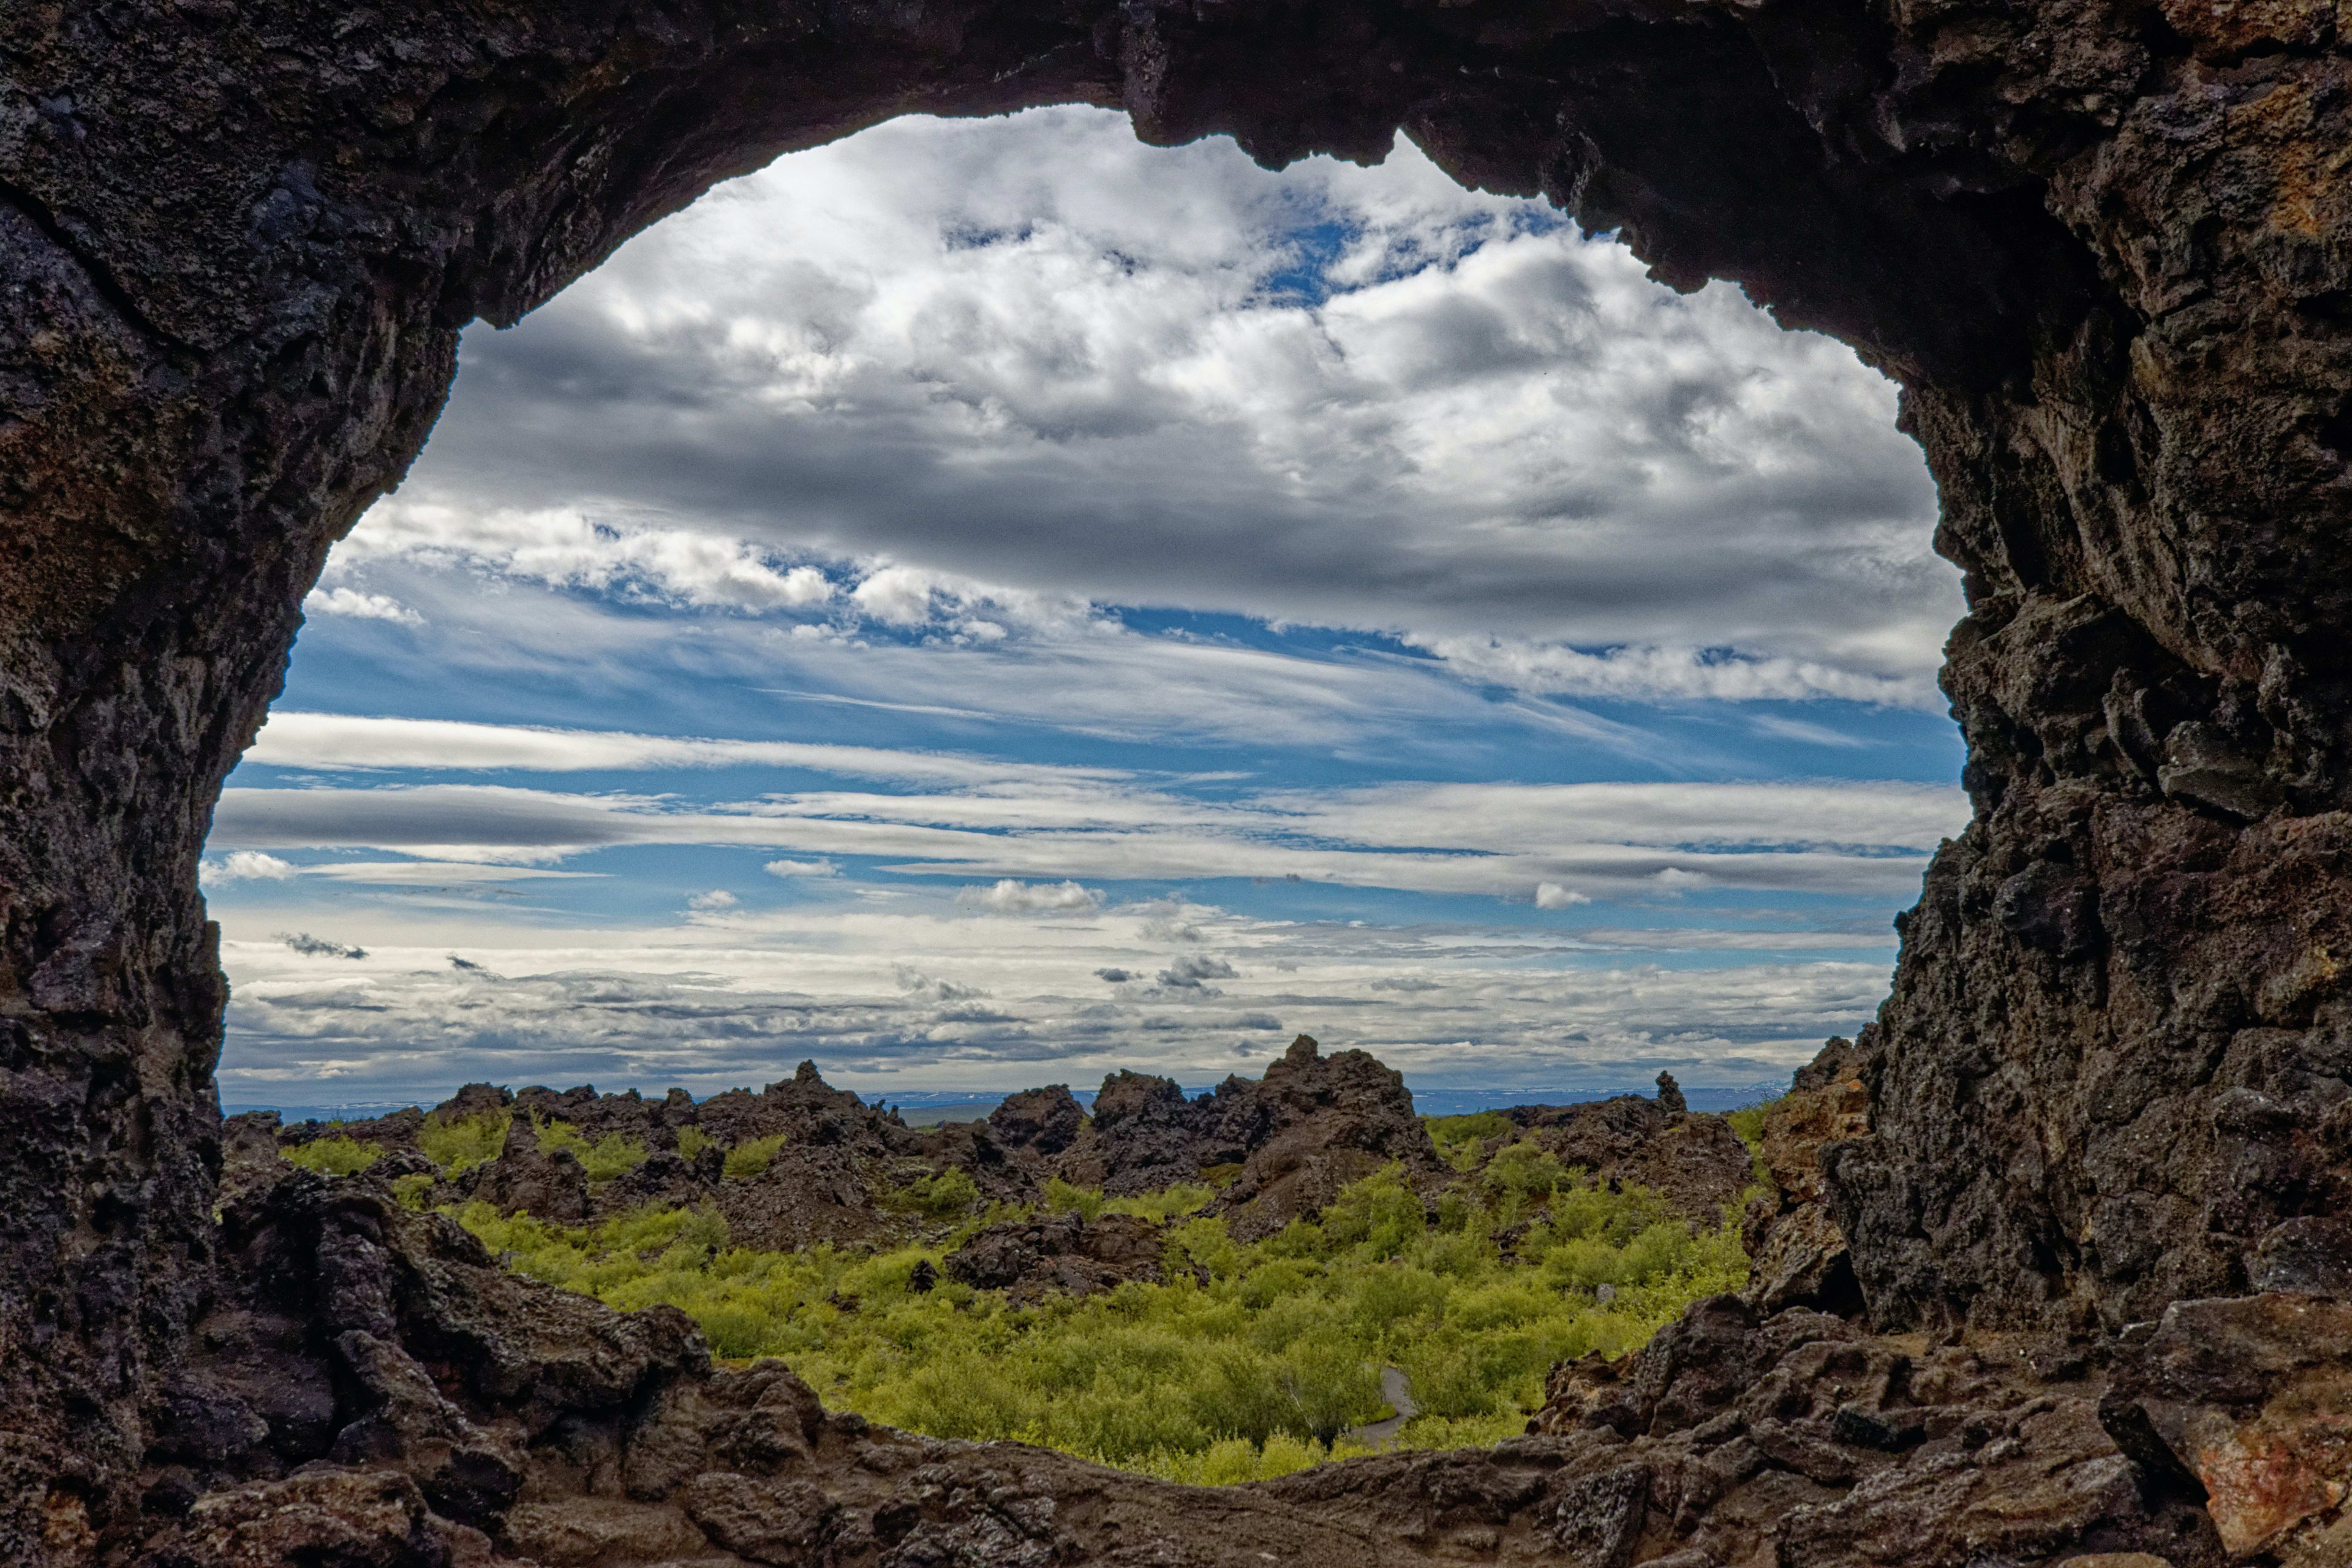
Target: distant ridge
[972, 1105]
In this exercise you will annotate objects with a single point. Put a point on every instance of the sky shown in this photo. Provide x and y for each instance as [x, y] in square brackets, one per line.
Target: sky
[988, 603]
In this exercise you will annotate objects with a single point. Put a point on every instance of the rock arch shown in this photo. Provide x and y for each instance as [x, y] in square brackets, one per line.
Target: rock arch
[2105, 244]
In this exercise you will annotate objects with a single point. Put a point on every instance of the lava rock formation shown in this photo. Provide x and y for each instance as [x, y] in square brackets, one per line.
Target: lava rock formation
[2105, 246]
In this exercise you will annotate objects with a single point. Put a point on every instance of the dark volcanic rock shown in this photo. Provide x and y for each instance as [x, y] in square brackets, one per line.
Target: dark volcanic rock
[1695, 1162]
[1144, 1135]
[1312, 1125]
[1045, 1119]
[547, 1185]
[2105, 247]
[1059, 1253]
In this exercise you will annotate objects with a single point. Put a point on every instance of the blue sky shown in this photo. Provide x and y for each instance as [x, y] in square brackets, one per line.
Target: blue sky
[987, 603]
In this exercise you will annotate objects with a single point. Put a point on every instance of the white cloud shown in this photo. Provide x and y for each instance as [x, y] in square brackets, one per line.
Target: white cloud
[567, 547]
[997, 1003]
[1011, 897]
[1552, 895]
[801, 868]
[360, 606]
[248, 865]
[436, 873]
[340, 740]
[710, 902]
[1491, 839]
[1030, 352]
[1651, 673]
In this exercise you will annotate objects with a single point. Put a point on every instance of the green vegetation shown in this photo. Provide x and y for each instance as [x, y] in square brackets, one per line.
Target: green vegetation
[413, 1190]
[467, 1141]
[335, 1156]
[692, 1142]
[614, 1154]
[1459, 1138]
[946, 1194]
[746, 1160]
[1086, 1203]
[1748, 1121]
[1252, 1374]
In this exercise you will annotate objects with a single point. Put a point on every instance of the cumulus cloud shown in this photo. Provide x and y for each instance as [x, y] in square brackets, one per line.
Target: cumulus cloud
[1552, 895]
[1194, 974]
[363, 606]
[566, 547]
[248, 865]
[1032, 353]
[718, 899]
[789, 869]
[311, 946]
[1009, 896]
[1115, 976]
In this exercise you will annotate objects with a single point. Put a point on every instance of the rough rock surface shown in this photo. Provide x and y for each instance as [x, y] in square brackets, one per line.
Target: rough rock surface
[1798, 1255]
[1693, 1161]
[1289, 1141]
[1060, 1254]
[1313, 1124]
[377, 1391]
[2105, 246]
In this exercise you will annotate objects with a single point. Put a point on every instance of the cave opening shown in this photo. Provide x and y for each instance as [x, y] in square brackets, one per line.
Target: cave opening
[1265, 592]
[2105, 255]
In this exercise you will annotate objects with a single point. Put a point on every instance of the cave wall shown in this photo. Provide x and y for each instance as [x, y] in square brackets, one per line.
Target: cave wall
[2105, 246]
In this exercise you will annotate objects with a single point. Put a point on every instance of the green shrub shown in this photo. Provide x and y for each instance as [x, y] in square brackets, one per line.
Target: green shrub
[614, 1154]
[944, 1196]
[412, 1190]
[1169, 1202]
[1062, 1197]
[1748, 1121]
[1257, 1372]
[1523, 1172]
[692, 1141]
[335, 1156]
[463, 1143]
[1330, 1384]
[1379, 1213]
[1462, 1139]
[748, 1160]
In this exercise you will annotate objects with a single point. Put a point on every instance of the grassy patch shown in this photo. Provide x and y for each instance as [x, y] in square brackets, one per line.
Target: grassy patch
[615, 1155]
[692, 1141]
[1252, 1374]
[746, 1160]
[335, 1156]
[1459, 1138]
[413, 1190]
[467, 1141]
[949, 1194]
[1748, 1121]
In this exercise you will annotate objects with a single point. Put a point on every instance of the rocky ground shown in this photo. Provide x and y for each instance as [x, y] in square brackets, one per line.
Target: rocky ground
[376, 1391]
[1274, 1148]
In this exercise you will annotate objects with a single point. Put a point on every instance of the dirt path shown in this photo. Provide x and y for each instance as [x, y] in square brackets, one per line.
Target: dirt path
[1397, 1389]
